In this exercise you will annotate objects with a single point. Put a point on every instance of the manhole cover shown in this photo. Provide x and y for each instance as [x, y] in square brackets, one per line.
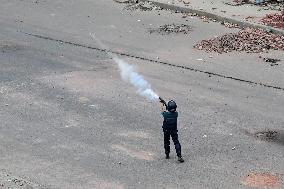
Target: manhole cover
[262, 180]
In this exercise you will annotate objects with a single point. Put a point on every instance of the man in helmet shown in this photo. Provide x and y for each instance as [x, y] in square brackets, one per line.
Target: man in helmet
[170, 129]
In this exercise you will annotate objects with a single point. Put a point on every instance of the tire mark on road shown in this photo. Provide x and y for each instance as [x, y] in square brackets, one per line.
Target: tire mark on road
[155, 61]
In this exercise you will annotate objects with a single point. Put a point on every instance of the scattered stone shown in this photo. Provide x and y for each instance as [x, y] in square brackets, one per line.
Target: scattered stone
[204, 18]
[272, 61]
[230, 25]
[233, 148]
[134, 5]
[172, 28]
[267, 134]
[123, 1]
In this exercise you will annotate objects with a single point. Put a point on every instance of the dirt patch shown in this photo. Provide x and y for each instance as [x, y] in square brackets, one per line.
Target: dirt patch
[262, 180]
[249, 40]
[268, 135]
[271, 61]
[9, 47]
[135, 134]
[171, 28]
[141, 154]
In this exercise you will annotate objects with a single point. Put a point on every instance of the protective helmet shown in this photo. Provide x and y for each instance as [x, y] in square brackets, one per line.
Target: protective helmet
[172, 106]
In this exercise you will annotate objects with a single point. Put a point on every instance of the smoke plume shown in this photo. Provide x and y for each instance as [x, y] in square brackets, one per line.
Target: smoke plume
[129, 74]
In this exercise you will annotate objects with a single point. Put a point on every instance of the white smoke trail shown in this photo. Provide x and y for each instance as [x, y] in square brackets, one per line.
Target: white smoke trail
[129, 74]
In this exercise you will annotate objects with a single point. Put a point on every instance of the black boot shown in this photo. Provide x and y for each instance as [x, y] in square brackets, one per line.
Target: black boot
[180, 159]
[167, 156]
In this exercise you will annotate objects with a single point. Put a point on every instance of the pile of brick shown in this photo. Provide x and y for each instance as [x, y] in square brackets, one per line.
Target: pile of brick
[274, 20]
[247, 40]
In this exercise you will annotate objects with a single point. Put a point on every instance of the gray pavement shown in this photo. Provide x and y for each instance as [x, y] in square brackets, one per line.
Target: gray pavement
[245, 15]
[69, 121]
[226, 8]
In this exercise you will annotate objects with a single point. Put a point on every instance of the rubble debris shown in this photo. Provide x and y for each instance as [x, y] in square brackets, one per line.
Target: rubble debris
[123, 1]
[248, 40]
[171, 28]
[230, 25]
[267, 134]
[9, 181]
[204, 18]
[185, 15]
[272, 61]
[142, 6]
[276, 136]
[274, 20]
[133, 5]
[262, 3]
[237, 2]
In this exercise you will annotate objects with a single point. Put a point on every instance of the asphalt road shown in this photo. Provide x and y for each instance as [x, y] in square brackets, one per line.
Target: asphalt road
[69, 121]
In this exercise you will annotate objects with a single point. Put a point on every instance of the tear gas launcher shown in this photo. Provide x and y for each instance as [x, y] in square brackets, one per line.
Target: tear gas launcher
[163, 101]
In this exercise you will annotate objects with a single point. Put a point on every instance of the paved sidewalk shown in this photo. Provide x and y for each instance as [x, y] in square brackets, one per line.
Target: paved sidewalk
[221, 10]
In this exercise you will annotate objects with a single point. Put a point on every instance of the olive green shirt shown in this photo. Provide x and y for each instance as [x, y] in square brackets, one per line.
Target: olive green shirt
[167, 114]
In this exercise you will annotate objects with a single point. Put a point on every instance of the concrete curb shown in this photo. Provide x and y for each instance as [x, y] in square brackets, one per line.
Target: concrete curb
[242, 24]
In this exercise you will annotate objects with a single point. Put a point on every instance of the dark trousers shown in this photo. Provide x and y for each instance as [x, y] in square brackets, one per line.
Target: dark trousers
[167, 136]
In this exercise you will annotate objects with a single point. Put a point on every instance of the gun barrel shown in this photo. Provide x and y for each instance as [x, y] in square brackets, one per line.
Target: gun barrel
[162, 101]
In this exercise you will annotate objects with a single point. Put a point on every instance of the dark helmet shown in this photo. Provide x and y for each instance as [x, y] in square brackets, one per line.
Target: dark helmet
[172, 106]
